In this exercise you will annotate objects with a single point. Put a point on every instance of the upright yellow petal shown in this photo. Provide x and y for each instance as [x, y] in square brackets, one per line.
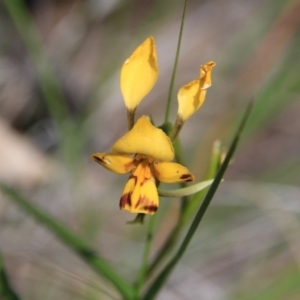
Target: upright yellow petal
[146, 139]
[192, 95]
[170, 172]
[116, 163]
[140, 193]
[139, 73]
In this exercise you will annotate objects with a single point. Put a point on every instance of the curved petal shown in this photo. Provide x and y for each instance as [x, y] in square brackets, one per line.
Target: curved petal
[190, 98]
[205, 75]
[169, 172]
[146, 139]
[139, 73]
[116, 163]
[140, 193]
[192, 95]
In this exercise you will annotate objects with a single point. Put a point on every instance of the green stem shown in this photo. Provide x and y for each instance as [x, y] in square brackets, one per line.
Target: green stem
[166, 248]
[74, 242]
[176, 128]
[188, 210]
[143, 270]
[171, 88]
[163, 276]
[198, 197]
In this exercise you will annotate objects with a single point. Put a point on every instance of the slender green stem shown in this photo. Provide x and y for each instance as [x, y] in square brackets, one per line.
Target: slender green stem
[166, 248]
[188, 210]
[74, 242]
[171, 240]
[176, 128]
[162, 277]
[171, 88]
[143, 269]
[198, 197]
[179, 152]
[6, 291]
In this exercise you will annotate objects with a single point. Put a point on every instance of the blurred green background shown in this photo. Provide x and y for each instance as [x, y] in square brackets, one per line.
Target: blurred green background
[60, 102]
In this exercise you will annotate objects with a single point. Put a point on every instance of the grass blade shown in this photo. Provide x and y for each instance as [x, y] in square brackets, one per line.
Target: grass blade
[170, 94]
[188, 211]
[162, 277]
[74, 242]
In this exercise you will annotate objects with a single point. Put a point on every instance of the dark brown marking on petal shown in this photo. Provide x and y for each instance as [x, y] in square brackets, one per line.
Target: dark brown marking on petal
[146, 204]
[138, 203]
[125, 199]
[151, 208]
[187, 177]
[141, 201]
[134, 177]
[98, 159]
[144, 181]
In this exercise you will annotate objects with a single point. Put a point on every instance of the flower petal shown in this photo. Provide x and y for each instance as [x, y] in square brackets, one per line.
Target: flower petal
[146, 139]
[205, 75]
[139, 73]
[192, 95]
[116, 163]
[169, 172]
[140, 193]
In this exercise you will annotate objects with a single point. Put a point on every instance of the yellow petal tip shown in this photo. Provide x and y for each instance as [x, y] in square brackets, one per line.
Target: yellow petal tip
[139, 73]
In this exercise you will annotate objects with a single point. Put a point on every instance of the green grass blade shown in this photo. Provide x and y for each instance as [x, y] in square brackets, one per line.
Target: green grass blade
[74, 242]
[198, 197]
[171, 88]
[162, 277]
[143, 268]
[188, 211]
[6, 291]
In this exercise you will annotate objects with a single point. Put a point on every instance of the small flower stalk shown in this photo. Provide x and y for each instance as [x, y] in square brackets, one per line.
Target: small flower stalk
[145, 151]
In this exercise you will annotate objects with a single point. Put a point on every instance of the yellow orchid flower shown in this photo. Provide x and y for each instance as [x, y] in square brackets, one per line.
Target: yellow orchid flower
[192, 95]
[139, 74]
[146, 152]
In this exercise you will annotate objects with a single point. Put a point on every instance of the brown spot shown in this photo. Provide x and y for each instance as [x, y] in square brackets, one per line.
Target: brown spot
[187, 177]
[98, 159]
[146, 204]
[151, 208]
[125, 199]
[142, 201]
[134, 177]
[144, 181]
